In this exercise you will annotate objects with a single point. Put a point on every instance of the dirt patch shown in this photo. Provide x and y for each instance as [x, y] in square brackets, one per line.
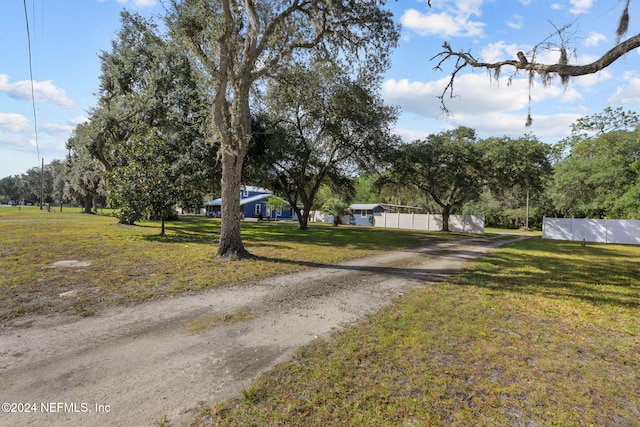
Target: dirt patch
[133, 365]
[72, 263]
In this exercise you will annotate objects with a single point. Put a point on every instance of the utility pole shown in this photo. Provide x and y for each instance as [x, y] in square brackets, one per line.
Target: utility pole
[526, 221]
[42, 183]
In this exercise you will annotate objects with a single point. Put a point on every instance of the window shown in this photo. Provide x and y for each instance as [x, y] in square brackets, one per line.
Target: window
[363, 213]
[258, 209]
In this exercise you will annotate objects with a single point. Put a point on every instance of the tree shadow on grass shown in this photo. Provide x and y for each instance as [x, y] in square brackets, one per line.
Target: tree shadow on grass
[597, 274]
[456, 257]
[274, 235]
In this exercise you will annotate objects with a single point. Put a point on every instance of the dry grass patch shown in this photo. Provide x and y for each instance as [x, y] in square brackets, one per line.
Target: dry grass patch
[119, 265]
[540, 333]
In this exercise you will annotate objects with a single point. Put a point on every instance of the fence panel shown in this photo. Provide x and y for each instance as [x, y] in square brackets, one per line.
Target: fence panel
[430, 222]
[592, 230]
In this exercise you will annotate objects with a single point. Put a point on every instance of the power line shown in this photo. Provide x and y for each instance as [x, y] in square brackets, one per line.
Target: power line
[33, 97]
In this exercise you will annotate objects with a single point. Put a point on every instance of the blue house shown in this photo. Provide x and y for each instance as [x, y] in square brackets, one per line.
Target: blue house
[362, 214]
[253, 204]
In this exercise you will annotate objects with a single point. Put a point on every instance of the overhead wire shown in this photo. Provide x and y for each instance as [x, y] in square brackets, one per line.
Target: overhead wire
[33, 97]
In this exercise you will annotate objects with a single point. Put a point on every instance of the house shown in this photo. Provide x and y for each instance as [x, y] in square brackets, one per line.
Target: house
[253, 205]
[362, 214]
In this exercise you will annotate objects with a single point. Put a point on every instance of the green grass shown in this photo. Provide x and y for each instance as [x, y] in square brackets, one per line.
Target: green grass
[131, 264]
[494, 230]
[540, 333]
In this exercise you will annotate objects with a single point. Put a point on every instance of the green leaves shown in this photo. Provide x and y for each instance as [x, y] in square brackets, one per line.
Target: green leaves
[336, 208]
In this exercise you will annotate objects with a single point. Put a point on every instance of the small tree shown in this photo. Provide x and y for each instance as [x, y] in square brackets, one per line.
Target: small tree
[276, 204]
[337, 209]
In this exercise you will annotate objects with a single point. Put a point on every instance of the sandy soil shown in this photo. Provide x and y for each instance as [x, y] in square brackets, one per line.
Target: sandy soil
[134, 365]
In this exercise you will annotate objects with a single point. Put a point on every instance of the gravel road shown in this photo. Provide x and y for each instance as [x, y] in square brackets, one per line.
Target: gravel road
[134, 365]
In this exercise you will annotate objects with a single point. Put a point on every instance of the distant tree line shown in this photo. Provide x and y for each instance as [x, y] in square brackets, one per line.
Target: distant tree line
[594, 173]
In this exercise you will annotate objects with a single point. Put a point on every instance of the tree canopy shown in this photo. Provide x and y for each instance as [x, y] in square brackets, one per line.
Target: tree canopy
[600, 176]
[148, 129]
[324, 128]
[445, 166]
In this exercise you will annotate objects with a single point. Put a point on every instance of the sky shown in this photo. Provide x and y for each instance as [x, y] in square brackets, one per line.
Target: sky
[65, 39]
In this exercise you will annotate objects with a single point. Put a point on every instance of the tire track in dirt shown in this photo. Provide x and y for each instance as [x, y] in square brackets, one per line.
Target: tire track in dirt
[133, 365]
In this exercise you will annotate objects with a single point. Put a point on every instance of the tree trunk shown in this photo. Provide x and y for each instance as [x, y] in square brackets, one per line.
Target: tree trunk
[446, 213]
[231, 246]
[526, 221]
[304, 221]
[303, 218]
[88, 202]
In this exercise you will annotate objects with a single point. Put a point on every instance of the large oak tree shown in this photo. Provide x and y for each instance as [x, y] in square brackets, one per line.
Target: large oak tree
[241, 42]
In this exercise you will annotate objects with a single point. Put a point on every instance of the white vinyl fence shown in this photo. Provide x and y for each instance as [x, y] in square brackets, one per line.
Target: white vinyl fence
[430, 222]
[592, 230]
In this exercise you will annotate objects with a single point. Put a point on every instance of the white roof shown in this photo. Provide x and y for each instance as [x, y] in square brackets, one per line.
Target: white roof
[218, 202]
[371, 206]
[254, 189]
[368, 206]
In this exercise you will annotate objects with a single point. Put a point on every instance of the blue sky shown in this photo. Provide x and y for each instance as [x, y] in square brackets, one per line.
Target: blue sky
[67, 36]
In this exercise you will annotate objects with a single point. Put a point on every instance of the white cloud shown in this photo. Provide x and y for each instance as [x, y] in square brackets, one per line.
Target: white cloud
[44, 91]
[594, 39]
[473, 94]
[525, 2]
[443, 24]
[15, 134]
[138, 4]
[580, 6]
[500, 51]
[592, 79]
[78, 120]
[409, 135]
[492, 108]
[55, 129]
[15, 123]
[627, 94]
[516, 22]
[554, 126]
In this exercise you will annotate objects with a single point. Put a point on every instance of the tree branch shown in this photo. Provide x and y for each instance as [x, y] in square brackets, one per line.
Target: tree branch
[562, 68]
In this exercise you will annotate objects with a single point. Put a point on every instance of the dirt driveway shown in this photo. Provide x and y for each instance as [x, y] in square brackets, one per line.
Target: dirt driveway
[134, 365]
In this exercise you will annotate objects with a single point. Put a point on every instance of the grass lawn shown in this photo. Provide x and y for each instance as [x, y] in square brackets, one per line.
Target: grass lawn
[129, 264]
[540, 333]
